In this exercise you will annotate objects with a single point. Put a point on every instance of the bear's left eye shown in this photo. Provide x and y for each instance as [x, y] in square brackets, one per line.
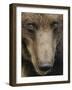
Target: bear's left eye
[54, 25]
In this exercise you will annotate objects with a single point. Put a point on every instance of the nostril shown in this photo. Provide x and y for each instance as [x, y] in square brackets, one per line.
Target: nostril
[45, 68]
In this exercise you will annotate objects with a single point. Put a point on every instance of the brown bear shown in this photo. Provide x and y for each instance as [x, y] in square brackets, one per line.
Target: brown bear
[42, 44]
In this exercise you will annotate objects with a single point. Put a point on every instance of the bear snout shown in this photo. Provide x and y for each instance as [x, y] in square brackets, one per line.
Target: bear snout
[45, 67]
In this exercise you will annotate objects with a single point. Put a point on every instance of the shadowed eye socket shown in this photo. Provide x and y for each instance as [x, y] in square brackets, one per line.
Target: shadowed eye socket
[31, 27]
[54, 25]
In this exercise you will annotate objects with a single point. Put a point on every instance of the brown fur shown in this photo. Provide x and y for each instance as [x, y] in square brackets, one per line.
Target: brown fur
[32, 25]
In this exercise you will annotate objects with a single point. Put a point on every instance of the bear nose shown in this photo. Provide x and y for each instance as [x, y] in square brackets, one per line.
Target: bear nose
[45, 67]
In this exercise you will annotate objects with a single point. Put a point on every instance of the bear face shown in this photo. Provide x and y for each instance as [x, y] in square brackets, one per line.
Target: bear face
[41, 43]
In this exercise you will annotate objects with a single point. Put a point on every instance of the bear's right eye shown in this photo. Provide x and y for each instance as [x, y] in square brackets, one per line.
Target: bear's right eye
[31, 27]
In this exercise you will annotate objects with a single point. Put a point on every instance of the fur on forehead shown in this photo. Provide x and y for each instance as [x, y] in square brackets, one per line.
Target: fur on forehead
[39, 18]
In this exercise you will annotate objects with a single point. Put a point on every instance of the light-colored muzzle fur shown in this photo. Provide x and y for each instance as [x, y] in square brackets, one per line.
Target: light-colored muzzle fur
[42, 50]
